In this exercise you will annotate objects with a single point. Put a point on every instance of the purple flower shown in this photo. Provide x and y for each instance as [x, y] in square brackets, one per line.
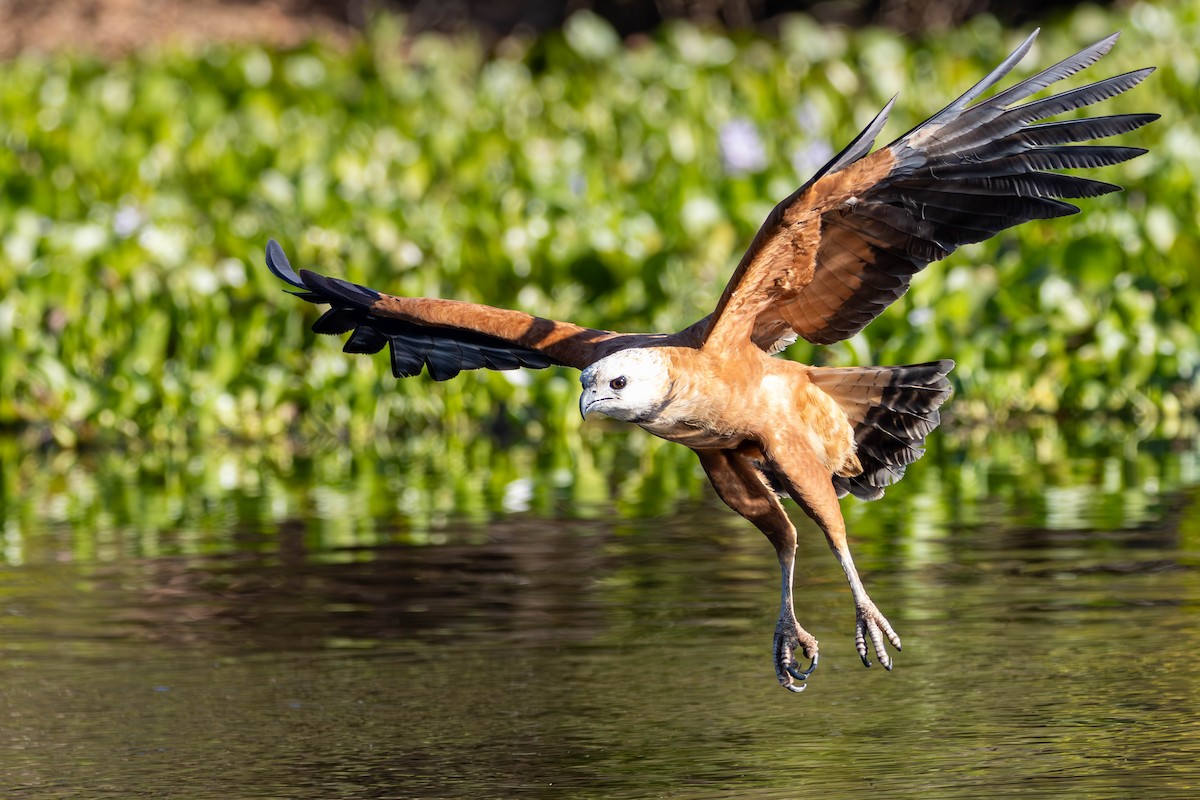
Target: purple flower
[741, 147]
[126, 221]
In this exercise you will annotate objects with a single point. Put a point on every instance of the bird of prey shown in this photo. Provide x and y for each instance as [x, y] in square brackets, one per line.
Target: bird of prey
[827, 260]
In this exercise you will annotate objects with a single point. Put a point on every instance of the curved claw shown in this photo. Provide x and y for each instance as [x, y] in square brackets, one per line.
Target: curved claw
[802, 675]
[790, 638]
[874, 626]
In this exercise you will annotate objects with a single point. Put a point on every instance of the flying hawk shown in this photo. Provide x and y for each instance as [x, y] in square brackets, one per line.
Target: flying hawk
[827, 260]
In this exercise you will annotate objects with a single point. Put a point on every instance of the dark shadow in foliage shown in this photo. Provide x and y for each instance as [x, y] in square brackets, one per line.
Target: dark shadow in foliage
[497, 18]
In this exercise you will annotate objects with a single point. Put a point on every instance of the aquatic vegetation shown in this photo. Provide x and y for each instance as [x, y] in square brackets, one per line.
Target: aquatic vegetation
[138, 195]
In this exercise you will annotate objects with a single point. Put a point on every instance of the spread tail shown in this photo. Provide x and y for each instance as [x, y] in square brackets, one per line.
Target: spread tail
[892, 410]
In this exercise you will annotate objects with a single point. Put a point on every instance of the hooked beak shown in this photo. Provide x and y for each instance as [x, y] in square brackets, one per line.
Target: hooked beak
[587, 399]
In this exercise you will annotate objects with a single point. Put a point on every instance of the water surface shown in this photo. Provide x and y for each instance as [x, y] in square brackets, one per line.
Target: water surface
[289, 636]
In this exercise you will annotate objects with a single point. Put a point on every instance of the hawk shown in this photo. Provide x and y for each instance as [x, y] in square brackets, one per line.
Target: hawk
[827, 260]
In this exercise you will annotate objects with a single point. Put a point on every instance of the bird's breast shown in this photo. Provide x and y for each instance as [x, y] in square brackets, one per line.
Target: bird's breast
[694, 435]
[711, 403]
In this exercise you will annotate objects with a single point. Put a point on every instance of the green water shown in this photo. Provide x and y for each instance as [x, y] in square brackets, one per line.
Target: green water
[244, 626]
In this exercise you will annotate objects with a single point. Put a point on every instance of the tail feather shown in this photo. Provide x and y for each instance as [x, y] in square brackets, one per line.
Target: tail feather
[892, 410]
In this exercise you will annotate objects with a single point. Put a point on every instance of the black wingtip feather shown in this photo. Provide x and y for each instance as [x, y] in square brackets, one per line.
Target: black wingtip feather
[405, 362]
[1078, 98]
[277, 262]
[340, 291]
[365, 340]
[1063, 69]
[335, 322]
[414, 347]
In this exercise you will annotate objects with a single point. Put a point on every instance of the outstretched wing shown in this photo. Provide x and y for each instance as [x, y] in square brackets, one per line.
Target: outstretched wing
[834, 255]
[443, 336]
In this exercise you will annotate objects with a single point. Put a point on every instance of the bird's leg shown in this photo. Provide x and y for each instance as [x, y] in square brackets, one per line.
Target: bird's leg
[742, 488]
[810, 486]
[870, 623]
[789, 636]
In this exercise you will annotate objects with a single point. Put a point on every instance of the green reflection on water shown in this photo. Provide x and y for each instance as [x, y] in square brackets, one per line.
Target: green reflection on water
[97, 506]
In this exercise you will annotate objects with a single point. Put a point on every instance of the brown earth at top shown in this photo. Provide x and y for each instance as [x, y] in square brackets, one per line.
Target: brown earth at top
[110, 28]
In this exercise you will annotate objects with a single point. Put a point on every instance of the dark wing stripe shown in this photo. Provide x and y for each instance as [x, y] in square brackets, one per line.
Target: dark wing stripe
[1038, 184]
[1044, 158]
[875, 288]
[499, 360]
[1079, 130]
[1041, 184]
[907, 420]
[843, 283]
[876, 229]
[897, 219]
[339, 292]
[977, 207]
[929, 224]
[444, 351]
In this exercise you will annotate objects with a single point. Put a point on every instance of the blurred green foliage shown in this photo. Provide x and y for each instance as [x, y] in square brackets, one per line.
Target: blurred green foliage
[573, 176]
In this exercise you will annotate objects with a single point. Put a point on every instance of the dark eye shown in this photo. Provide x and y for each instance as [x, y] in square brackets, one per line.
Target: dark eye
[618, 383]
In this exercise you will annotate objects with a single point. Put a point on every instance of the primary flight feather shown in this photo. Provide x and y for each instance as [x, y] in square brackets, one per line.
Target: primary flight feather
[827, 260]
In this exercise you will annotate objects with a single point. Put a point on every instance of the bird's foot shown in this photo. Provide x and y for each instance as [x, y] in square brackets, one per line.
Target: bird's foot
[790, 638]
[873, 626]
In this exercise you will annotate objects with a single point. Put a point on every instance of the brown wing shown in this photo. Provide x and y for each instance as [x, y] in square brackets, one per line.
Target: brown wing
[444, 336]
[834, 255]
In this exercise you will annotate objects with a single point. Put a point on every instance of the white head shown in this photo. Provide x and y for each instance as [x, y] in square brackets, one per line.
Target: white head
[632, 385]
